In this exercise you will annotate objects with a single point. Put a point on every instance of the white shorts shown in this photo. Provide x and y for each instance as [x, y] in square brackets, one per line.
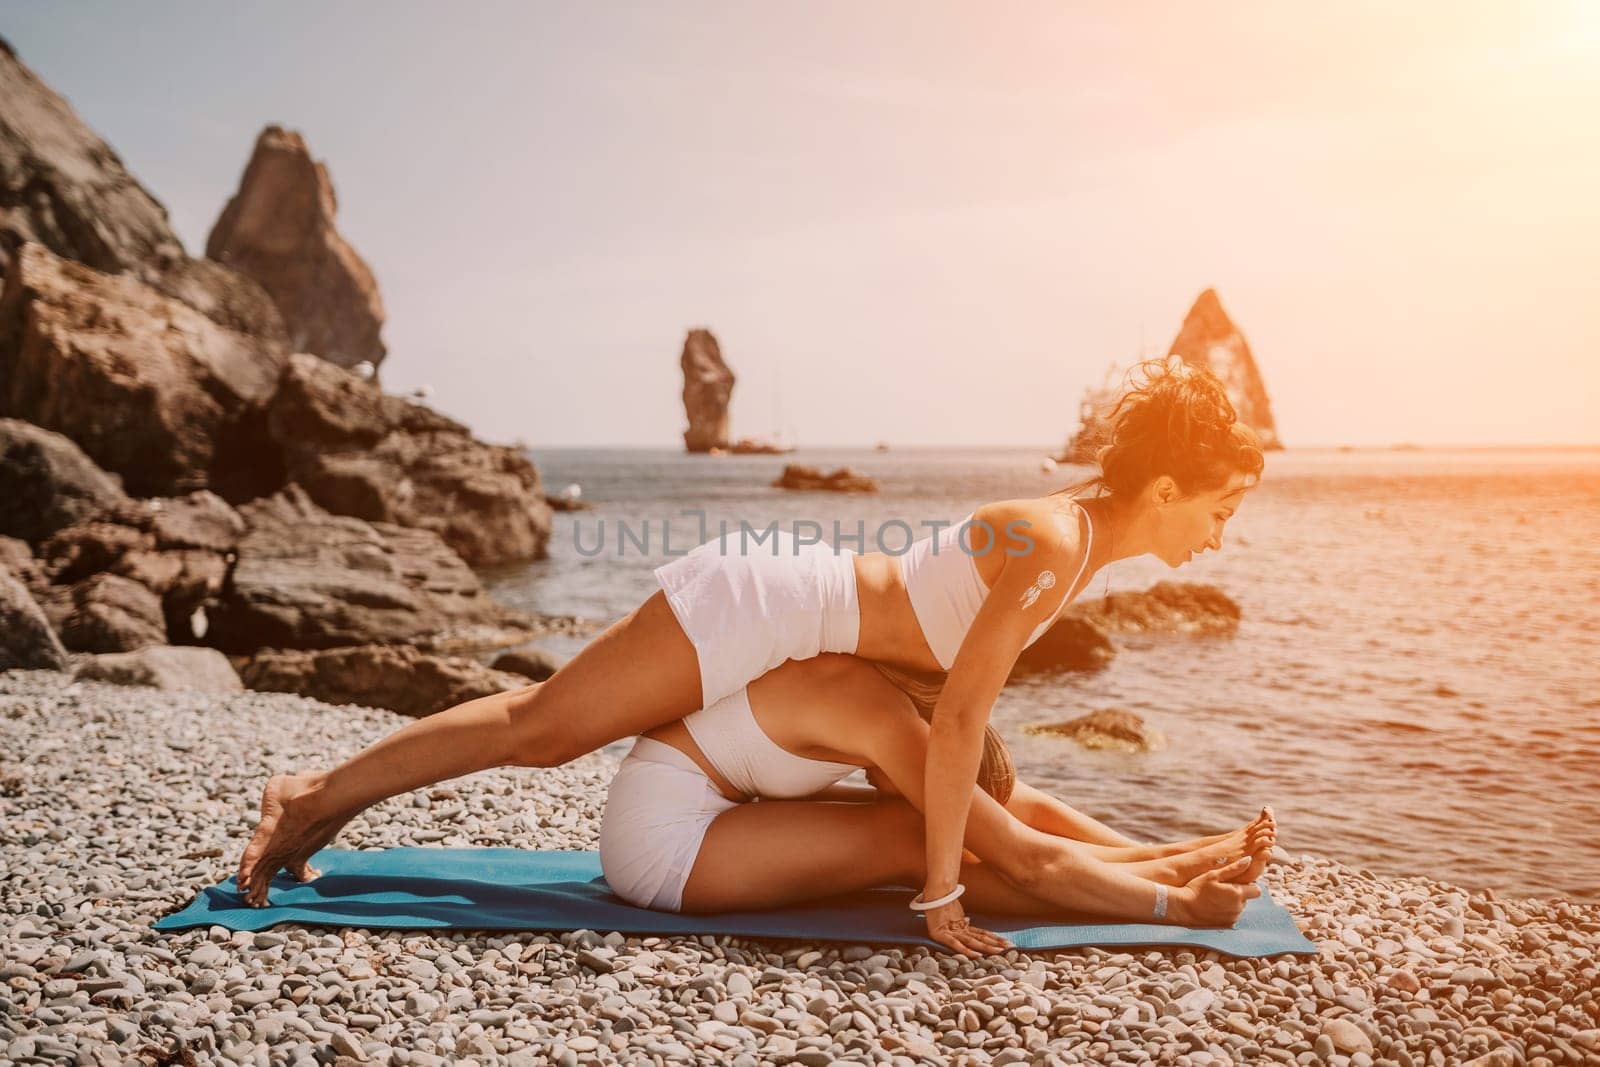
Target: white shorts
[748, 606]
[658, 809]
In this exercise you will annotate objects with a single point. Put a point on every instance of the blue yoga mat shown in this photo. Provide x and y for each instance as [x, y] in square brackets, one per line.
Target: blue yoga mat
[521, 889]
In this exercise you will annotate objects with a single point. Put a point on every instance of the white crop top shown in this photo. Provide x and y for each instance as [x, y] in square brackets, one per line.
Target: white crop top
[946, 590]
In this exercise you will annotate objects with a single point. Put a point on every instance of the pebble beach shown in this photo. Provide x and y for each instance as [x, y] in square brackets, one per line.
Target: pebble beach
[118, 805]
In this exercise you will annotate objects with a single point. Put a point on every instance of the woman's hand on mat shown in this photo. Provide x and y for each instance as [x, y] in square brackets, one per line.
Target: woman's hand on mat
[949, 926]
[1209, 901]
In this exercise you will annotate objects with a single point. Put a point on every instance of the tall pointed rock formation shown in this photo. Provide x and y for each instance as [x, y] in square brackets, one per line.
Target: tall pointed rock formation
[1209, 339]
[707, 389]
[278, 229]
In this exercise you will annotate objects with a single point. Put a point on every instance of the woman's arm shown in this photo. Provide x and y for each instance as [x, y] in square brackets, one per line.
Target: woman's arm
[1028, 592]
[1045, 813]
[1048, 867]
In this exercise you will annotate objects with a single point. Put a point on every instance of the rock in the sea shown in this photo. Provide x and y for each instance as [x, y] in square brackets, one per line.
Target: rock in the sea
[707, 388]
[566, 503]
[308, 579]
[162, 667]
[1072, 644]
[359, 452]
[1209, 339]
[535, 664]
[63, 187]
[111, 613]
[148, 387]
[1107, 728]
[842, 480]
[1166, 607]
[46, 482]
[278, 229]
[398, 677]
[759, 446]
[27, 641]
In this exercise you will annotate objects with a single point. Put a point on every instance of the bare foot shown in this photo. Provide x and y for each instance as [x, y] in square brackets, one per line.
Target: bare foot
[1260, 849]
[1189, 865]
[1258, 865]
[284, 838]
[1237, 843]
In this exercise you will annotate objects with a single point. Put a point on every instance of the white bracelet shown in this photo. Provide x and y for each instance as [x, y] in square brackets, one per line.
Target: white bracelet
[918, 905]
[1161, 901]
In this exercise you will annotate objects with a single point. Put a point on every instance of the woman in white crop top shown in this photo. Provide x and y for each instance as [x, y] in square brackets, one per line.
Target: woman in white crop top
[1173, 468]
[679, 835]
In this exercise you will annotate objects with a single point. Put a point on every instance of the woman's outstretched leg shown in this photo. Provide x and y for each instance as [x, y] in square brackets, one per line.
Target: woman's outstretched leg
[1179, 854]
[776, 853]
[639, 673]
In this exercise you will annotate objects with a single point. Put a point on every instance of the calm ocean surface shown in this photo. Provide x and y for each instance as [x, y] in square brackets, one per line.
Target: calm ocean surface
[1415, 686]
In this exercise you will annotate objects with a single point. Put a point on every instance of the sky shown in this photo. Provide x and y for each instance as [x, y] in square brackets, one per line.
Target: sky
[923, 223]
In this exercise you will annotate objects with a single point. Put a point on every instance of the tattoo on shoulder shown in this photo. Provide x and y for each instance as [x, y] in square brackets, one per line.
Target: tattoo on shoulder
[1046, 580]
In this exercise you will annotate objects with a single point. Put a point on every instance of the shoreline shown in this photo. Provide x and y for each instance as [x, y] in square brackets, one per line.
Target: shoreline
[121, 803]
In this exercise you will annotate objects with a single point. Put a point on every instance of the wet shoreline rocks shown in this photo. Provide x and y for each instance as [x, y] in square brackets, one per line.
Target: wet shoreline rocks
[1111, 728]
[1188, 608]
[1082, 639]
[122, 804]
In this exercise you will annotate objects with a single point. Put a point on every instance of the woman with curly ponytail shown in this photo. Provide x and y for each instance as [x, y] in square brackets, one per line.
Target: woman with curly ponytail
[748, 657]
[1172, 420]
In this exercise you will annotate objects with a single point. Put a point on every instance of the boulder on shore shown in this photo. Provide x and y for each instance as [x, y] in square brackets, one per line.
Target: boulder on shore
[18, 558]
[46, 482]
[398, 677]
[307, 579]
[178, 548]
[1166, 607]
[27, 640]
[149, 388]
[278, 229]
[357, 451]
[162, 667]
[535, 664]
[707, 390]
[842, 480]
[110, 613]
[1111, 728]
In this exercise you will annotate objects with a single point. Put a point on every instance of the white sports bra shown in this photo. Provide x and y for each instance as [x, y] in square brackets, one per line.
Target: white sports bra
[753, 763]
[946, 590]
